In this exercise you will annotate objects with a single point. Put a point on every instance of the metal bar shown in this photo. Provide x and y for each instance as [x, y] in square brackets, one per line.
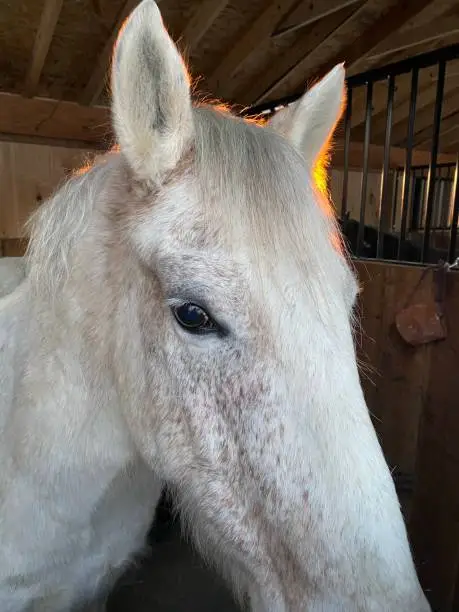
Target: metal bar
[377, 74]
[385, 169]
[447, 165]
[347, 140]
[408, 159]
[366, 148]
[455, 217]
[393, 219]
[433, 159]
[437, 204]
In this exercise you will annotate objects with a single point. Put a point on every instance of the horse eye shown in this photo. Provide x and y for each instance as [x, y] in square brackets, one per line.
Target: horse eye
[194, 319]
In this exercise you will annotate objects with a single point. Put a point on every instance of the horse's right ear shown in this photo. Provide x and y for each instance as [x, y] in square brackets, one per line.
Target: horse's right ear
[152, 111]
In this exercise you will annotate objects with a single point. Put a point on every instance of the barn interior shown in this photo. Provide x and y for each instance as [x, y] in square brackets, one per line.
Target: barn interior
[394, 182]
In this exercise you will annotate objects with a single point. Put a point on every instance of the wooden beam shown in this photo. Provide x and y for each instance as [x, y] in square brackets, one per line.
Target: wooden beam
[376, 157]
[307, 12]
[13, 247]
[354, 51]
[44, 121]
[52, 142]
[415, 37]
[434, 528]
[97, 80]
[203, 17]
[220, 79]
[41, 119]
[432, 15]
[43, 38]
[311, 38]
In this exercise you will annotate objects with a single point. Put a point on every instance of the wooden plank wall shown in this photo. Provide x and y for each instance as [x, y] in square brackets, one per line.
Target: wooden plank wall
[28, 175]
[414, 397]
[12, 247]
[395, 385]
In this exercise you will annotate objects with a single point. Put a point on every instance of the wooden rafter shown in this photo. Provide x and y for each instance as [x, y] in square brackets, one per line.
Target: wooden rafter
[61, 123]
[432, 16]
[308, 12]
[220, 79]
[354, 51]
[405, 54]
[43, 38]
[415, 37]
[203, 17]
[43, 121]
[312, 38]
[97, 80]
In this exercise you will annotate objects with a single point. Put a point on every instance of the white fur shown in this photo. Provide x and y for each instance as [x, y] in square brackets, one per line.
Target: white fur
[262, 432]
[152, 116]
[309, 122]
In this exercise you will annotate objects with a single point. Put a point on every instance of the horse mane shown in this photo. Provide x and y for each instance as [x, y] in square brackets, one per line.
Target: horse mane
[262, 168]
[253, 161]
[60, 222]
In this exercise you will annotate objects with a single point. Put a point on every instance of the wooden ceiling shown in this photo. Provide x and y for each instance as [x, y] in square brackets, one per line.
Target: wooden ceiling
[55, 54]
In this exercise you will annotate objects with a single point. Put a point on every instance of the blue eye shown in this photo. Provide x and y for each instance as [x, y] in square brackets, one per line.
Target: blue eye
[194, 319]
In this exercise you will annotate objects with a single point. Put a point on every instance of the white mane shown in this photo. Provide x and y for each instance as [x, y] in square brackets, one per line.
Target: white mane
[58, 224]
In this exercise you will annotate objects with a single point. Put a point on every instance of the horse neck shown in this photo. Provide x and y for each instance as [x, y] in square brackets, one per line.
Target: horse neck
[58, 414]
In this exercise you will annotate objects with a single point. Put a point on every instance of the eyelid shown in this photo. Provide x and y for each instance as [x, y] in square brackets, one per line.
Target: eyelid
[188, 298]
[222, 329]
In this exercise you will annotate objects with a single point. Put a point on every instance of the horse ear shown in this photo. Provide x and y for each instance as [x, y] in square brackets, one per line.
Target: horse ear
[152, 110]
[309, 122]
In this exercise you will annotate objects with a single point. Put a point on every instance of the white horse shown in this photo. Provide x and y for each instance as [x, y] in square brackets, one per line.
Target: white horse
[186, 319]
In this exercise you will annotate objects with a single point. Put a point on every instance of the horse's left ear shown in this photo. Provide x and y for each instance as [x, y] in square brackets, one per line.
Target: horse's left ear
[151, 102]
[309, 122]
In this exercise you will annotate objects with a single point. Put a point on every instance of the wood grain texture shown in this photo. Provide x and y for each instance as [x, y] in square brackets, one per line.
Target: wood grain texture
[12, 247]
[51, 119]
[376, 32]
[201, 20]
[434, 524]
[397, 394]
[43, 38]
[99, 75]
[414, 400]
[307, 12]
[28, 175]
[256, 33]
